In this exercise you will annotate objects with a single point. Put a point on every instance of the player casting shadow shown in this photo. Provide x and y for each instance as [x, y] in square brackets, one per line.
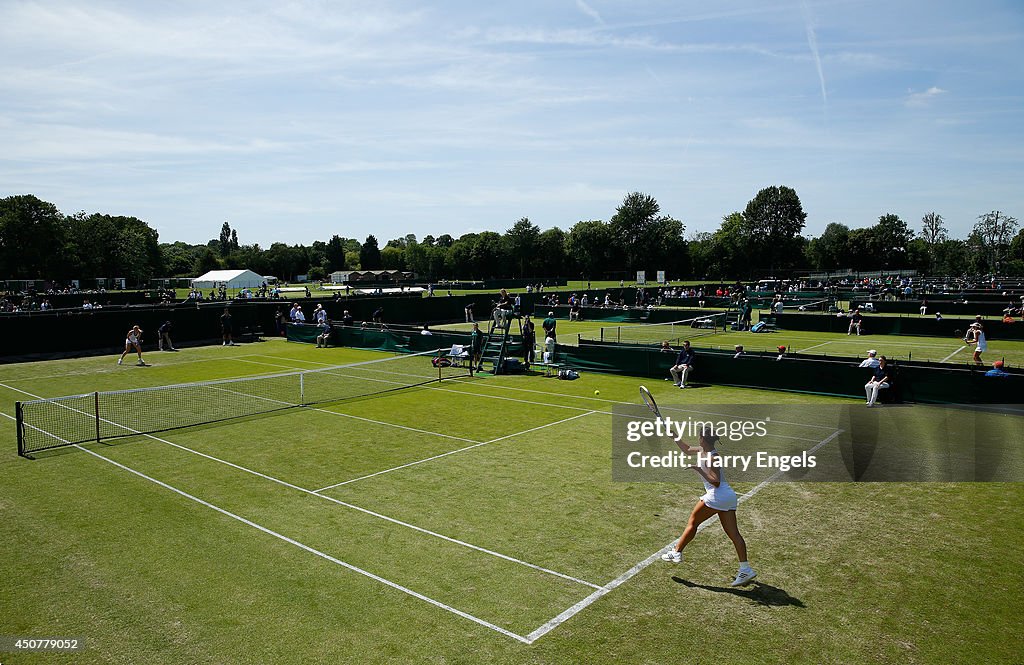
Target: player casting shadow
[758, 593]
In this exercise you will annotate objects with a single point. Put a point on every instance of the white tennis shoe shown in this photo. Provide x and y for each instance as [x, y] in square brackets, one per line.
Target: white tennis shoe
[744, 577]
[672, 556]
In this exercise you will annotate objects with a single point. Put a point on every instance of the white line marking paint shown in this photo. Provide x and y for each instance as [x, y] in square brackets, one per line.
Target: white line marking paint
[621, 579]
[953, 354]
[451, 452]
[343, 503]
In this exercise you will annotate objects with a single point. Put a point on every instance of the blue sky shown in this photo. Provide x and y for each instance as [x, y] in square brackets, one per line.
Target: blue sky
[297, 120]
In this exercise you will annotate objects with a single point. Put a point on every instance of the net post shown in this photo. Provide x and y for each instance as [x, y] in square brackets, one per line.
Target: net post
[20, 425]
[302, 388]
[438, 364]
[96, 406]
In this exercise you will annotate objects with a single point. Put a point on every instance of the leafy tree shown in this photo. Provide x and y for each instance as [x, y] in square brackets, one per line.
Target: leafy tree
[933, 228]
[392, 258]
[205, 262]
[352, 260]
[444, 240]
[459, 257]
[335, 253]
[178, 259]
[830, 250]
[550, 253]
[588, 247]
[32, 235]
[369, 254]
[488, 256]
[521, 242]
[631, 228]
[774, 218]
[890, 237]
[731, 248]
[224, 242]
[994, 232]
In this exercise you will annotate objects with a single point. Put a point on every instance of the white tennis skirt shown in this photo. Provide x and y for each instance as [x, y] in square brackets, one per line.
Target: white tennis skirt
[722, 497]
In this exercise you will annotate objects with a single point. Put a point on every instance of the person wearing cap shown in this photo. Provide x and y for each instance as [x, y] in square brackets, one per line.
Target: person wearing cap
[980, 343]
[549, 325]
[163, 338]
[320, 314]
[880, 380]
[871, 361]
[782, 352]
[997, 369]
[739, 351]
[300, 316]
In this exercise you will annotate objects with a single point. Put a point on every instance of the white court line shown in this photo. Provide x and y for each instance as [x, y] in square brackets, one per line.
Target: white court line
[346, 415]
[92, 371]
[452, 452]
[815, 346]
[953, 354]
[323, 555]
[621, 579]
[338, 501]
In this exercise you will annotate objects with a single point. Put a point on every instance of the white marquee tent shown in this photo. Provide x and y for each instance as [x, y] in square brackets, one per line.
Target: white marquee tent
[232, 279]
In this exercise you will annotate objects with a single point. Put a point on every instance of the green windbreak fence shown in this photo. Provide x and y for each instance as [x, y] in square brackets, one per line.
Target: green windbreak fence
[913, 383]
[396, 341]
[947, 308]
[899, 325]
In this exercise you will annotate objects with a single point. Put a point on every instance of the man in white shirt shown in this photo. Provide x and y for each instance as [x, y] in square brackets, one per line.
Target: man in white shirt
[871, 361]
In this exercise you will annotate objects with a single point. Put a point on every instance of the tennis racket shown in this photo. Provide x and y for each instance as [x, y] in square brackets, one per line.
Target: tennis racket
[653, 406]
[649, 400]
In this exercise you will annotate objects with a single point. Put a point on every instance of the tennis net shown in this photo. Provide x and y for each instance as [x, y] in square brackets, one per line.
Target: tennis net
[654, 333]
[64, 421]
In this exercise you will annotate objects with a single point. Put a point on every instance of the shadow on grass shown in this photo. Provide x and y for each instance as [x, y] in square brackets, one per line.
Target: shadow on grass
[758, 593]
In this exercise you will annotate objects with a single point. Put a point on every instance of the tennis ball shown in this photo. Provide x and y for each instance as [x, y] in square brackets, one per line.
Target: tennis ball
[597, 392]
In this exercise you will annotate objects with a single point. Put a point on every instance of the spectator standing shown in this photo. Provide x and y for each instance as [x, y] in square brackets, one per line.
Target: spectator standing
[164, 337]
[548, 325]
[529, 341]
[226, 328]
[476, 347]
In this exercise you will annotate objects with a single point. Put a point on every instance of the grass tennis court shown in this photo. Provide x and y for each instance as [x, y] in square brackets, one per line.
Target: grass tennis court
[472, 520]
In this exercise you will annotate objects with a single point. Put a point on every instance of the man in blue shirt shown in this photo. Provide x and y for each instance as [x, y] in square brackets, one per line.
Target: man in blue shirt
[997, 369]
[684, 365]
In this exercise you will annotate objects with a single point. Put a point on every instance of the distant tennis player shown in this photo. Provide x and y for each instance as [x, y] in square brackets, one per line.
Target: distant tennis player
[719, 499]
[133, 340]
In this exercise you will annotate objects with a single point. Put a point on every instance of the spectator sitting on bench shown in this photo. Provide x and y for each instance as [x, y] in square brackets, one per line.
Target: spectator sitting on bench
[856, 322]
[549, 350]
[684, 365]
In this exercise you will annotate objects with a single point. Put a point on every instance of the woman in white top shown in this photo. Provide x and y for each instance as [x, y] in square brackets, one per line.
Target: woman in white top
[133, 340]
[980, 341]
[719, 499]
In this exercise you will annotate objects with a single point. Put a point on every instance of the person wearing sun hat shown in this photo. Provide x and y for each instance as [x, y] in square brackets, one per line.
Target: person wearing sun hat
[872, 359]
[997, 369]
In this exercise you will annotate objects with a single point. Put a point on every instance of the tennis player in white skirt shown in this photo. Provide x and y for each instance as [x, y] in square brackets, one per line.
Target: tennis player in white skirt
[719, 499]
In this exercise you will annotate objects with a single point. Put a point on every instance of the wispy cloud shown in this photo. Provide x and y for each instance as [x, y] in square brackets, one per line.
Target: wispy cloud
[589, 11]
[920, 99]
[812, 41]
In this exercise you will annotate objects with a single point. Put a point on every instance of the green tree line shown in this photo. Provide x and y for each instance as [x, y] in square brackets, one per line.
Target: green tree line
[37, 241]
